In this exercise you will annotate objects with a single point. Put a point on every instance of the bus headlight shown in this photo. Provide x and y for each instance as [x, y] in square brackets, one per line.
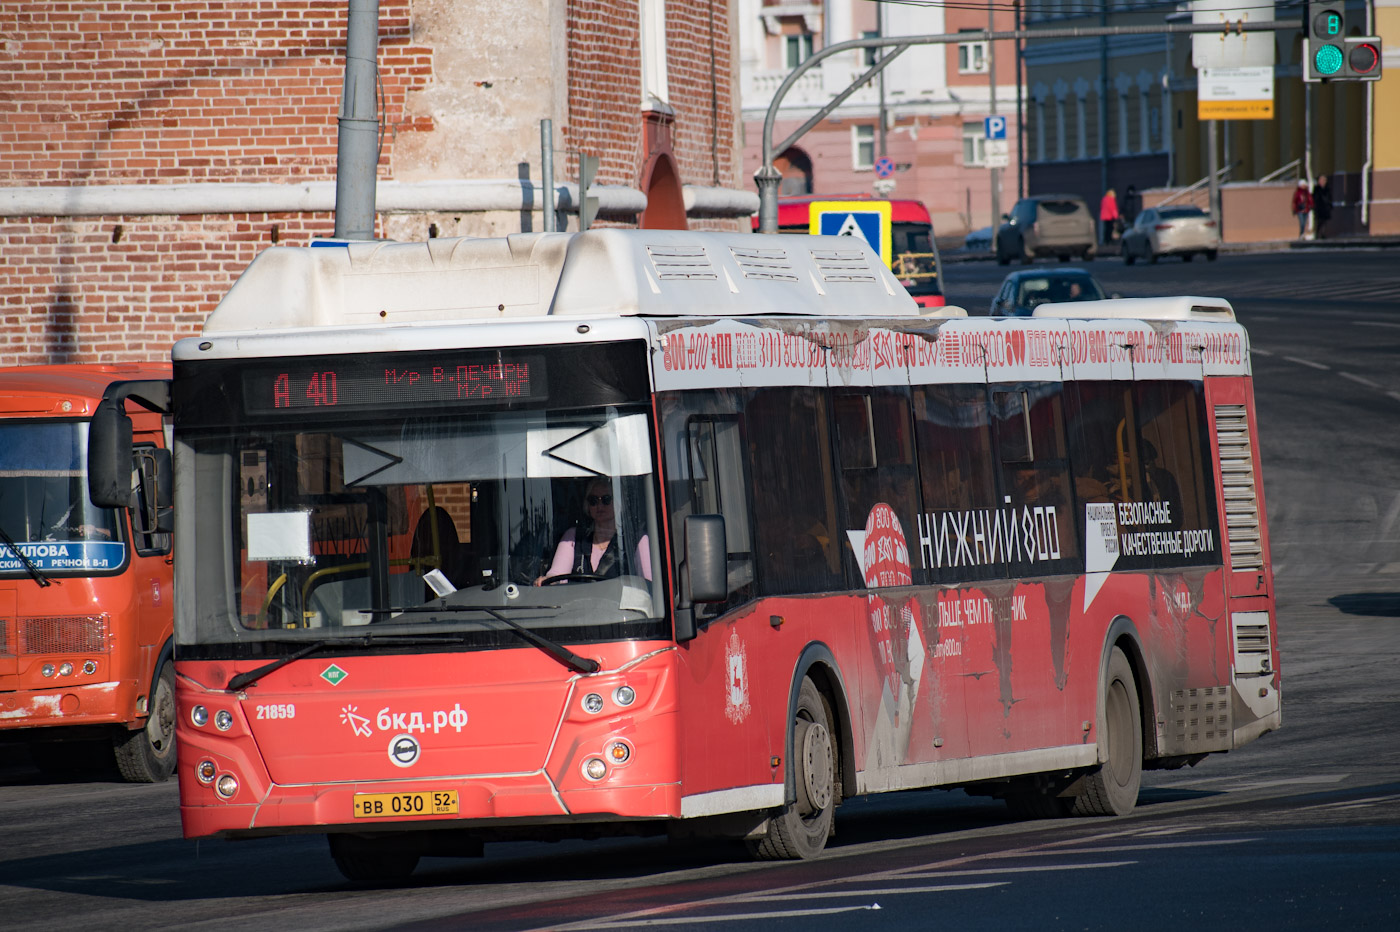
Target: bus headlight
[624, 695]
[619, 752]
[205, 771]
[199, 715]
[90, 667]
[47, 669]
[223, 720]
[227, 786]
[595, 769]
[65, 669]
[593, 703]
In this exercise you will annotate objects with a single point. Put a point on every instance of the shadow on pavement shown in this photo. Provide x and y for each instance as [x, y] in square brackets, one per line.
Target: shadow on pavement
[1373, 604]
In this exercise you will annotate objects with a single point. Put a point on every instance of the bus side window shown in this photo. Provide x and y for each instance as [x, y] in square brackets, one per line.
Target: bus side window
[958, 475]
[704, 469]
[1174, 446]
[875, 451]
[148, 540]
[796, 519]
[1036, 475]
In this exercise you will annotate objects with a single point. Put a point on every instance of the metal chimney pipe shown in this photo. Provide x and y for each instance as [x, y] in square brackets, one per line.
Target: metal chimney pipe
[357, 145]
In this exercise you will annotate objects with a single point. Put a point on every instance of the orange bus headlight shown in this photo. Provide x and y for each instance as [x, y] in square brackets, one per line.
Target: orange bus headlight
[206, 771]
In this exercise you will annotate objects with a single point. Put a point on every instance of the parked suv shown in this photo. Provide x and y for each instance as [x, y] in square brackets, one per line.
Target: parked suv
[1047, 225]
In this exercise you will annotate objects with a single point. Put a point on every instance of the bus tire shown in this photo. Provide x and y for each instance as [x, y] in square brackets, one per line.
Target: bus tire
[369, 861]
[147, 755]
[802, 829]
[1112, 790]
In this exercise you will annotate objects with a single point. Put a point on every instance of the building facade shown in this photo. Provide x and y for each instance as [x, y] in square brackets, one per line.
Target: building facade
[935, 100]
[152, 150]
[1122, 110]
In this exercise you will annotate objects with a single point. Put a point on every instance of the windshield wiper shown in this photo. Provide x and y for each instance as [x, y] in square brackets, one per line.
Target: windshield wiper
[252, 676]
[553, 648]
[24, 560]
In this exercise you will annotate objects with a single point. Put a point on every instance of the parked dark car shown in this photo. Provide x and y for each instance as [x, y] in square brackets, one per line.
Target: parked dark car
[1021, 292]
[1047, 225]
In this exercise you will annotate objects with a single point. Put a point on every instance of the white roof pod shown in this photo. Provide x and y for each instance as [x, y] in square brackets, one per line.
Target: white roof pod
[1176, 307]
[598, 273]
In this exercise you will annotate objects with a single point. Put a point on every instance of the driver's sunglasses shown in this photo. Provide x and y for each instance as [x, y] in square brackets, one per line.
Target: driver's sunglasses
[599, 500]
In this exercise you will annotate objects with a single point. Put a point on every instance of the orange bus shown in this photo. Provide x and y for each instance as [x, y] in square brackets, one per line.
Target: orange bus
[703, 540]
[914, 255]
[86, 608]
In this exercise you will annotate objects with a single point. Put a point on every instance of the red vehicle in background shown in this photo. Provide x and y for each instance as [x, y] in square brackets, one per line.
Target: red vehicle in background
[86, 672]
[914, 256]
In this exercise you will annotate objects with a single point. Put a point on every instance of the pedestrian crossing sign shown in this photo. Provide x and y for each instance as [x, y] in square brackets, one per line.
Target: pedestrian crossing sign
[869, 220]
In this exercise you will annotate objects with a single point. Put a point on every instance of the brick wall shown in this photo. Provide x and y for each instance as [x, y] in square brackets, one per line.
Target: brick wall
[135, 92]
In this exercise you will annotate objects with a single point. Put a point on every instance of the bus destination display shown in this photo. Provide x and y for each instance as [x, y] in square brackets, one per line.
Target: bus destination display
[389, 382]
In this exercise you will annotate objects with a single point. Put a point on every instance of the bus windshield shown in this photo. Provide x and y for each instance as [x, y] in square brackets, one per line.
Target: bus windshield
[428, 525]
[44, 506]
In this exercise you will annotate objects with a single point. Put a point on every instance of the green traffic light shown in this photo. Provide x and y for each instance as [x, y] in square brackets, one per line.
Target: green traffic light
[1327, 59]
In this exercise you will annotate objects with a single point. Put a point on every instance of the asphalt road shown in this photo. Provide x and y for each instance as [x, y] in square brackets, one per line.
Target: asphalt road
[1299, 830]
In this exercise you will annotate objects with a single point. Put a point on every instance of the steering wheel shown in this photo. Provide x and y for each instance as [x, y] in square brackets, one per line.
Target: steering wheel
[568, 577]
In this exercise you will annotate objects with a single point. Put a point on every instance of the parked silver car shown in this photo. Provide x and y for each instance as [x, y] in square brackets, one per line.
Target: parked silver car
[1047, 225]
[1171, 231]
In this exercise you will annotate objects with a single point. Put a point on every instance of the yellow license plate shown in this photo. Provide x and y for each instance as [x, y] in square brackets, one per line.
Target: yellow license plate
[395, 805]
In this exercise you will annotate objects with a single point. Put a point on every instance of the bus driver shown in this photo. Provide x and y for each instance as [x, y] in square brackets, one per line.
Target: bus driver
[600, 557]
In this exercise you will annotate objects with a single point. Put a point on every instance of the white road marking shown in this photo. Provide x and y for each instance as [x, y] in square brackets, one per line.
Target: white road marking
[1376, 323]
[865, 891]
[1292, 781]
[1395, 395]
[1256, 351]
[1359, 380]
[728, 917]
[1306, 362]
[983, 871]
[1353, 803]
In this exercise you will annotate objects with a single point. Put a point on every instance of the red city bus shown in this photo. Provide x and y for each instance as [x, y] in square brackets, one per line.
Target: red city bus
[914, 255]
[86, 607]
[704, 541]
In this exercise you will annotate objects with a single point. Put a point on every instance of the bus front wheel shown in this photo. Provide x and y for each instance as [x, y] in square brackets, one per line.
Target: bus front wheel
[1113, 788]
[801, 830]
[147, 755]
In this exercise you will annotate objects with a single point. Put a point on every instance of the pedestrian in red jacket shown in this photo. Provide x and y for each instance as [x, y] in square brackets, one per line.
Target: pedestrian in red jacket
[1302, 206]
[1108, 214]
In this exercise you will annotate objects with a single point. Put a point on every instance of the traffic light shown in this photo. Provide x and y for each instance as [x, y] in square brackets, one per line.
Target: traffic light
[1329, 54]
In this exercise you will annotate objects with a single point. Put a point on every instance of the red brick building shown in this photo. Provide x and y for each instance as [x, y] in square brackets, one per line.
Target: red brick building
[149, 150]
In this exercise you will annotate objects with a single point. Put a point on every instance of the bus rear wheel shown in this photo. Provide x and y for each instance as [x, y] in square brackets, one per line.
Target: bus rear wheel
[147, 755]
[372, 861]
[800, 832]
[1112, 790]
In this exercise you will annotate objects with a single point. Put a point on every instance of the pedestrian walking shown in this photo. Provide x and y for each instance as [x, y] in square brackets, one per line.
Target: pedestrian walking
[1302, 206]
[1321, 205]
[1132, 205]
[1108, 214]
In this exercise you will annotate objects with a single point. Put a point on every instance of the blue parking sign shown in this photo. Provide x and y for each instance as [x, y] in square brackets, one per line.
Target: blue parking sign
[994, 127]
[869, 220]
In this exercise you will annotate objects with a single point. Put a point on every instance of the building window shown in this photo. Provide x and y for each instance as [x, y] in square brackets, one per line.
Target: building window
[974, 138]
[862, 147]
[972, 56]
[868, 56]
[799, 48]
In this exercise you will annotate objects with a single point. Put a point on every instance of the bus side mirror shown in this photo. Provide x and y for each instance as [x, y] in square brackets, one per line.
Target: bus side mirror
[706, 558]
[109, 456]
[156, 514]
[704, 571]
